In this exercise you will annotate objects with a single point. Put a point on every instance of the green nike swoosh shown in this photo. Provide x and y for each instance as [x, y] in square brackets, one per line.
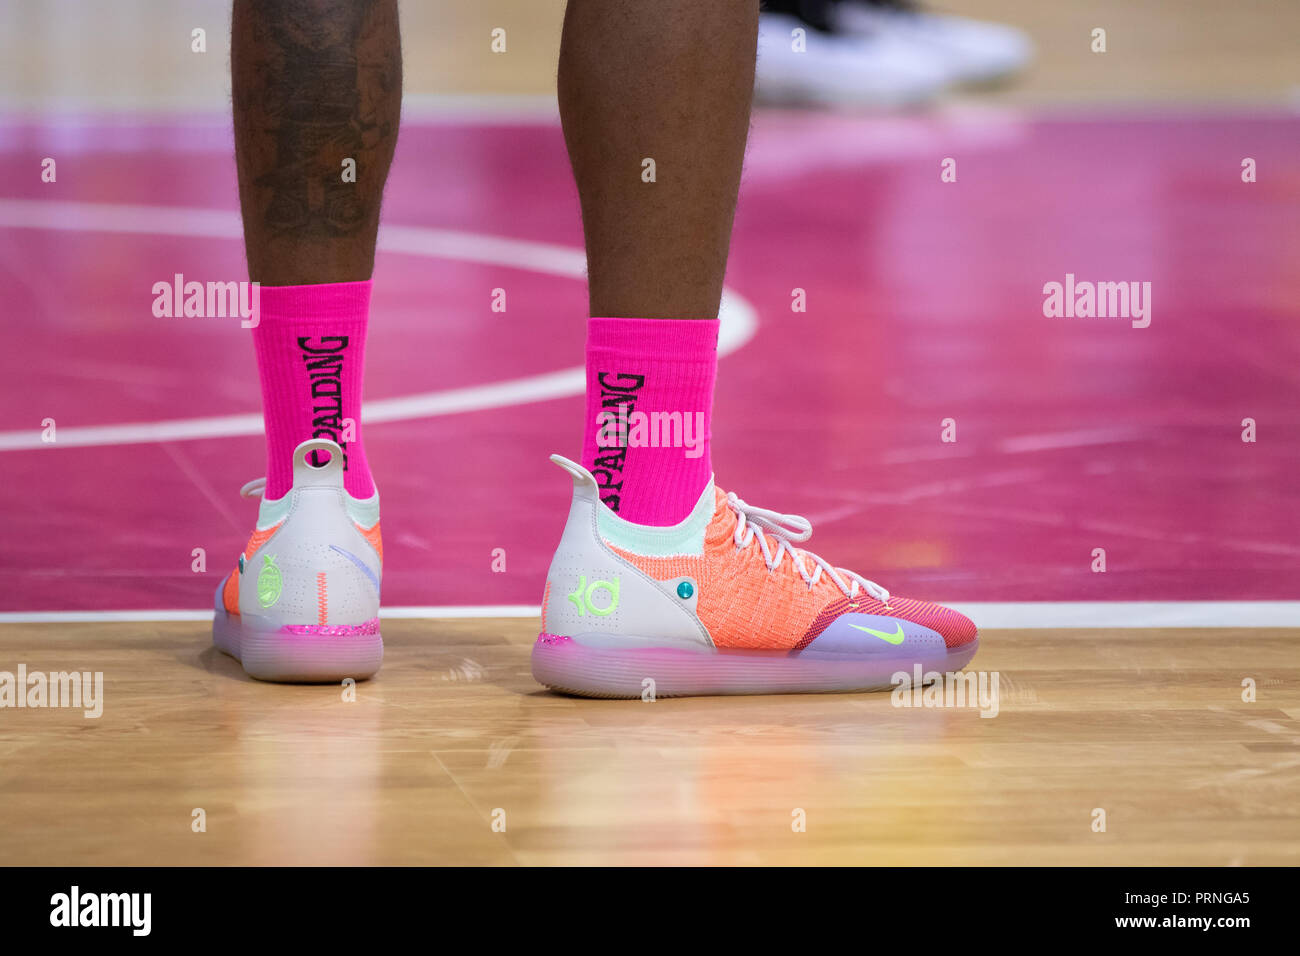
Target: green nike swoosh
[895, 638]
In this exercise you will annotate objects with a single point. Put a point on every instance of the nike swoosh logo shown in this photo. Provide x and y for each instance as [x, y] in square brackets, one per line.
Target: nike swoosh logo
[361, 565]
[895, 638]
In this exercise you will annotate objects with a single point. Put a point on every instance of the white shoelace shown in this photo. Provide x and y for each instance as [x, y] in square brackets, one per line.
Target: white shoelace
[751, 523]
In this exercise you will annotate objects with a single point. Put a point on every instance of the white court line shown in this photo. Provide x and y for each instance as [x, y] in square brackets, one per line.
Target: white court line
[739, 318]
[1072, 439]
[1044, 614]
[990, 614]
[445, 612]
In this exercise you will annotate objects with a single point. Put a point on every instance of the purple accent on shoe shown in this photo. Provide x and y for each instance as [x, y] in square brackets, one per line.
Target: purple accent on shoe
[365, 629]
[842, 639]
[552, 640]
[360, 564]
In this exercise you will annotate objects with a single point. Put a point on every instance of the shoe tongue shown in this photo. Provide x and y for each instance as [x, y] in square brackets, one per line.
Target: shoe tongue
[723, 522]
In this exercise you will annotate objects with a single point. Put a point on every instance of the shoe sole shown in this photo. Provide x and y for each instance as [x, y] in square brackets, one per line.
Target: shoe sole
[301, 654]
[570, 667]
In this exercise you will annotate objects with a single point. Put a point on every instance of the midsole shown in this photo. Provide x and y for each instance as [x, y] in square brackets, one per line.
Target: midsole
[570, 665]
[642, 646]
[365, 629]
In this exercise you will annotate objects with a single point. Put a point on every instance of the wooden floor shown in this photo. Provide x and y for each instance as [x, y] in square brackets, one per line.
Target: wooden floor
[453, 734]
[59, 54]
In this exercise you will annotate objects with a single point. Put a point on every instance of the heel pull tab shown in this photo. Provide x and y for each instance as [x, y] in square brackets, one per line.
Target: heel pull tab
[584, 484]
[308, 475]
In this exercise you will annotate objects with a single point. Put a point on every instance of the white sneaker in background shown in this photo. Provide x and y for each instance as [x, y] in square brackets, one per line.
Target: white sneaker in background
[970, 51]
[878, 69]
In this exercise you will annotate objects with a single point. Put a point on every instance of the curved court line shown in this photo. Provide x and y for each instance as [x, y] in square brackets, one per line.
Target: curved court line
[739, 318]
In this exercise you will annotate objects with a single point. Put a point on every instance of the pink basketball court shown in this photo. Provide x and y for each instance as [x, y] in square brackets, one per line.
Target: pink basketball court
[924, 321]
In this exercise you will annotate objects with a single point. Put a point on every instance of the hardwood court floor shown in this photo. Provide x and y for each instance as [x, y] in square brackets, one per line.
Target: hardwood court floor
[131, 53]
[1148, 725]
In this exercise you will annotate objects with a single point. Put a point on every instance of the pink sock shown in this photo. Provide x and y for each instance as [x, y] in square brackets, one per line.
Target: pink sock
[649, 401]
[311, 346]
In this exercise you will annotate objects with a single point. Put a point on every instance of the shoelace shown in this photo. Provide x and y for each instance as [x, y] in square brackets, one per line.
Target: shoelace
[751, 523]
[254, 489]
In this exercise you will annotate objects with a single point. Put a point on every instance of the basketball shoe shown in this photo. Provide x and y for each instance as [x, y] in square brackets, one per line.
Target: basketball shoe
[303, 603]
[722, 603]
[830, 68]
[971, 52]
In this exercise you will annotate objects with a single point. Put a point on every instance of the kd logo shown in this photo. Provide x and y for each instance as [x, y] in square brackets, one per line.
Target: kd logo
[581, 597]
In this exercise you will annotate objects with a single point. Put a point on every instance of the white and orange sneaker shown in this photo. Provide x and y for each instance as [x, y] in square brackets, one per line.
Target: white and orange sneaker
[303, 603]
[722, 603]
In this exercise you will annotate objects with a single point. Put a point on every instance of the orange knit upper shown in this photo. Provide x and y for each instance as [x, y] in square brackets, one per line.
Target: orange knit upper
[230, 590]
[744, 605]
[741, 602]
